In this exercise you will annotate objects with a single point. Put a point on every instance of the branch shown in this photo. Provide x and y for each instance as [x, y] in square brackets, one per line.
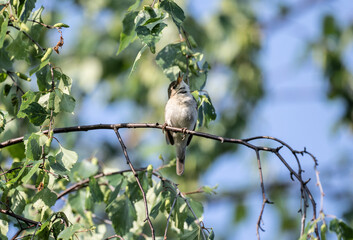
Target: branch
[137, 180]
[85, 128]
[264, 198]
[305, 192]
[83, 183]
[114, 236]
[18, 217]
[29, 37]
[168, 219]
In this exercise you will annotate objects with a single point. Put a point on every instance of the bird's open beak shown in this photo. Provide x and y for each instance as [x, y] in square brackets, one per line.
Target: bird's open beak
[180, 78]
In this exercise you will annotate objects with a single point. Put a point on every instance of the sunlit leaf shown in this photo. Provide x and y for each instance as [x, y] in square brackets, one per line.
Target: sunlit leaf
[123, 208]
[172, 60]
[3, 31]
[96, 192]
[67, 157]
[44, 199]
[128, 35]
[174, 10]
[68, 232]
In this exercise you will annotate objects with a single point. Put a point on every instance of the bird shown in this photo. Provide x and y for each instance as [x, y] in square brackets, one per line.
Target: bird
[181, 112]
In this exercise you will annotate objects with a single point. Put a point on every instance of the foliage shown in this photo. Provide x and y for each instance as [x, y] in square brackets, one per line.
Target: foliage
[37, 94]
[49, 168]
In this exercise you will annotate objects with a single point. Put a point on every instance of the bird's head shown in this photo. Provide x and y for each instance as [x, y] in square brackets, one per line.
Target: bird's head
[178, 87]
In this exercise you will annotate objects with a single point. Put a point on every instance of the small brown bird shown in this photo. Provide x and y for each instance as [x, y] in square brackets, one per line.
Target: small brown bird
[181, 112]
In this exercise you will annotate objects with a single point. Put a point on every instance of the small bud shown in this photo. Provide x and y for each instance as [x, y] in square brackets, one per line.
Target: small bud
[23, 76]
[60, 25]
[46, 55]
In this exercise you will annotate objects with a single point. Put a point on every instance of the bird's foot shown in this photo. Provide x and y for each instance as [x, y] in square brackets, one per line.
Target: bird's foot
[163, 127]
[183, 130]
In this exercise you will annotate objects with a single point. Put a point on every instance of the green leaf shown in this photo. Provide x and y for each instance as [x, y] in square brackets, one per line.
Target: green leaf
[342, 230]
[69, 232]
[67, 157]
[149, 17]
[128, 35]
[191, 235]
[197, 207]
[7, 89]
[18, 49]
[44, 199]
[17, 150]
[3, 31]
[67, 103]
[156, 209]
[57, 166]
[19, 174]
[172, 60]
[18, 202]
[6, 62]
[31, 109]
[180, 213]
[207, 113]
[57, 228]
[135, 6]
[43, 78]
[28, 98]
[36, 113]
[2, 121]
[114, 194]
[123, 208]
[95, 190]
[174, 11]
[27, 9]
[33, 170]
[4, 229]
[198, 77]
[33, 145]
[39, 67]
[150, 37]
[44, 231]
[77, 202]
[138, 56]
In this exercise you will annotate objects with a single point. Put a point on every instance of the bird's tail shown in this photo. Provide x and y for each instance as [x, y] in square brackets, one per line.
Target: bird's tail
[180, 159]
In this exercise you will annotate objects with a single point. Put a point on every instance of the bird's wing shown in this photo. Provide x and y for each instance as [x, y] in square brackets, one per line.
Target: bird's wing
[190, 136]
[169, 138]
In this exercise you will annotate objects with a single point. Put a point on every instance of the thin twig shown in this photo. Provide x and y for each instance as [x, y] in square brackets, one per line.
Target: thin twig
[83, 183]
[43, 24]
[137, 180]
[170, 214]
[264, 199]
[14, 82]
[29, 37]
[114, 236]
[18, 217]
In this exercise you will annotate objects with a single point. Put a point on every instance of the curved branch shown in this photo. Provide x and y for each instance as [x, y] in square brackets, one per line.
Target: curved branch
[18, 217]
[148, 219]
[85, 128]
[305, 190]
[83, 183]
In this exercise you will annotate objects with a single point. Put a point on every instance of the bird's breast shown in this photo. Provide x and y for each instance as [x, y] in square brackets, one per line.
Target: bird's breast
[181, 112]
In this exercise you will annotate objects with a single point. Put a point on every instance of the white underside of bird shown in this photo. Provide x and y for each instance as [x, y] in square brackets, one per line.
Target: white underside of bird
[181, 112]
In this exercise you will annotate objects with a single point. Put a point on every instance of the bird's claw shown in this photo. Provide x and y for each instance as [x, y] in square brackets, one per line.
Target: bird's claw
[183, 131]
[163, 127]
